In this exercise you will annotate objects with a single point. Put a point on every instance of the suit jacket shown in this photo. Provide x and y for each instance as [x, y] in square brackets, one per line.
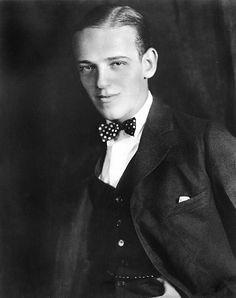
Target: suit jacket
[187, 242]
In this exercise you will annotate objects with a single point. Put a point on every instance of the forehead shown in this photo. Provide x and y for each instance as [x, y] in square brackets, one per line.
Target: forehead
[99, 43]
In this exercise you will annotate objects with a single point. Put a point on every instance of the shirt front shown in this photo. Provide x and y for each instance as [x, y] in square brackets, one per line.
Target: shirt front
[121, 149]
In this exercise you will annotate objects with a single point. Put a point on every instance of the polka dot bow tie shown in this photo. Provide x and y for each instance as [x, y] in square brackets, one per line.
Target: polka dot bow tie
[109, 131]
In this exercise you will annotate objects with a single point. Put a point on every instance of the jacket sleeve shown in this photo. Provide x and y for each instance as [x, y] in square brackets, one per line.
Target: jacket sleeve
[221, 160]
[221, 167]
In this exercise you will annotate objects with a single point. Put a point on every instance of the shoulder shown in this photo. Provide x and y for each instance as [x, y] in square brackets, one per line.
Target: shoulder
[197, 127]
[189, 124]
[193, 132]
[176, 120]
[213, 140]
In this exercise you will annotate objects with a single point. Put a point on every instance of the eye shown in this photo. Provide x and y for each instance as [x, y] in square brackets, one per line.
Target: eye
[118, 64]
[86, 68]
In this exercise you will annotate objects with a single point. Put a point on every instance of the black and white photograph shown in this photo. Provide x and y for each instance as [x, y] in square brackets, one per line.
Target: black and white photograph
[117, 148]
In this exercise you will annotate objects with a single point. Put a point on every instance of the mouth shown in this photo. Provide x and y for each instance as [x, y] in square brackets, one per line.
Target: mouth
[106, 98]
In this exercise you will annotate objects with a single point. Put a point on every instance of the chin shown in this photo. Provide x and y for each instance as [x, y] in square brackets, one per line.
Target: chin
[111, 116]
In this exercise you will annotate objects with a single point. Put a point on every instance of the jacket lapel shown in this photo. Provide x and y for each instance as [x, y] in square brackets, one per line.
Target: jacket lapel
[156, 141]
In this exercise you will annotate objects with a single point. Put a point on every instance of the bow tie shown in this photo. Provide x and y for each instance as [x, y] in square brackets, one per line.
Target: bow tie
[109, 131]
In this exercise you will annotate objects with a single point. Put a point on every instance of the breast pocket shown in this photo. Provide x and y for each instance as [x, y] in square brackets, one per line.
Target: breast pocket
[190, 202]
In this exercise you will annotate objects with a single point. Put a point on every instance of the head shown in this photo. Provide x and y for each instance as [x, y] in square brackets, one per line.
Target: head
[115, 60]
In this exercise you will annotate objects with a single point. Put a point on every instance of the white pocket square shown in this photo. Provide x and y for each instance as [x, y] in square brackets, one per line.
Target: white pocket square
[183, 199]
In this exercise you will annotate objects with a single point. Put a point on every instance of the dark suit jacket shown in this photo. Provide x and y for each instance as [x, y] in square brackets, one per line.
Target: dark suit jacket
[187, 242]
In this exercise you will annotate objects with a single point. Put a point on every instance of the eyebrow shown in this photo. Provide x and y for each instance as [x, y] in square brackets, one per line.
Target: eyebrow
[85, 61]
[108, 59]
[117, 57]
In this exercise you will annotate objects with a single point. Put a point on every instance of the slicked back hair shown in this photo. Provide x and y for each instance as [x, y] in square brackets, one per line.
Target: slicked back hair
[117, 16]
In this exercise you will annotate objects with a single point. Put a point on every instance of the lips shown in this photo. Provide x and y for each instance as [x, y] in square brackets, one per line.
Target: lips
[106, 98]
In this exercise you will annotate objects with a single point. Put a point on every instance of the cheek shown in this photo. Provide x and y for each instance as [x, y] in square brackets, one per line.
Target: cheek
[124, 79]
[134, 74]
[87, 82]
[132, 81]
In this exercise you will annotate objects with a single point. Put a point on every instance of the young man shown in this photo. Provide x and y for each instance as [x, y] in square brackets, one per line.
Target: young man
[145, 223]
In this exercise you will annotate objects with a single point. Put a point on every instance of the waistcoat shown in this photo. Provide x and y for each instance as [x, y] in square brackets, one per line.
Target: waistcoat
[115, 252]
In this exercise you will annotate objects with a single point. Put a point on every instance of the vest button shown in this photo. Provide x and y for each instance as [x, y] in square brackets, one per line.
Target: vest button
[118, 223]
[120, 283]
[119, 199]
[121, 242]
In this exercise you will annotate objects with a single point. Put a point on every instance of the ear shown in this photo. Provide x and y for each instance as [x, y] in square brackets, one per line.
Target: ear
[149, 60]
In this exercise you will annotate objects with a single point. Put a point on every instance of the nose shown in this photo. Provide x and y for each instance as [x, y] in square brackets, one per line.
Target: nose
[102, 78]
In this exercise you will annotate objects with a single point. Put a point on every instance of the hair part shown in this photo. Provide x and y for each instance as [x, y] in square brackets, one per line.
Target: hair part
[118, 16]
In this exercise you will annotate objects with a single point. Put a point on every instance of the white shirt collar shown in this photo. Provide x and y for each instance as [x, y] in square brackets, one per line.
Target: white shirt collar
[141, 115]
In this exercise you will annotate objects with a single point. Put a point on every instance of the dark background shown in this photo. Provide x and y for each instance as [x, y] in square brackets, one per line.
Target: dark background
[44, 112]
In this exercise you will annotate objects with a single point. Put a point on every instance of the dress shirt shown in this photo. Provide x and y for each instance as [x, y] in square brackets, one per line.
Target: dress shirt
[121, 149]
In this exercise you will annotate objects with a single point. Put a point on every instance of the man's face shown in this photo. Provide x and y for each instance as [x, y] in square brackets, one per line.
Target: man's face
[111, 70]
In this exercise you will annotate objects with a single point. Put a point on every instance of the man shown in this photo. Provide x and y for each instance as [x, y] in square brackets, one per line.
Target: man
[144, 221]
